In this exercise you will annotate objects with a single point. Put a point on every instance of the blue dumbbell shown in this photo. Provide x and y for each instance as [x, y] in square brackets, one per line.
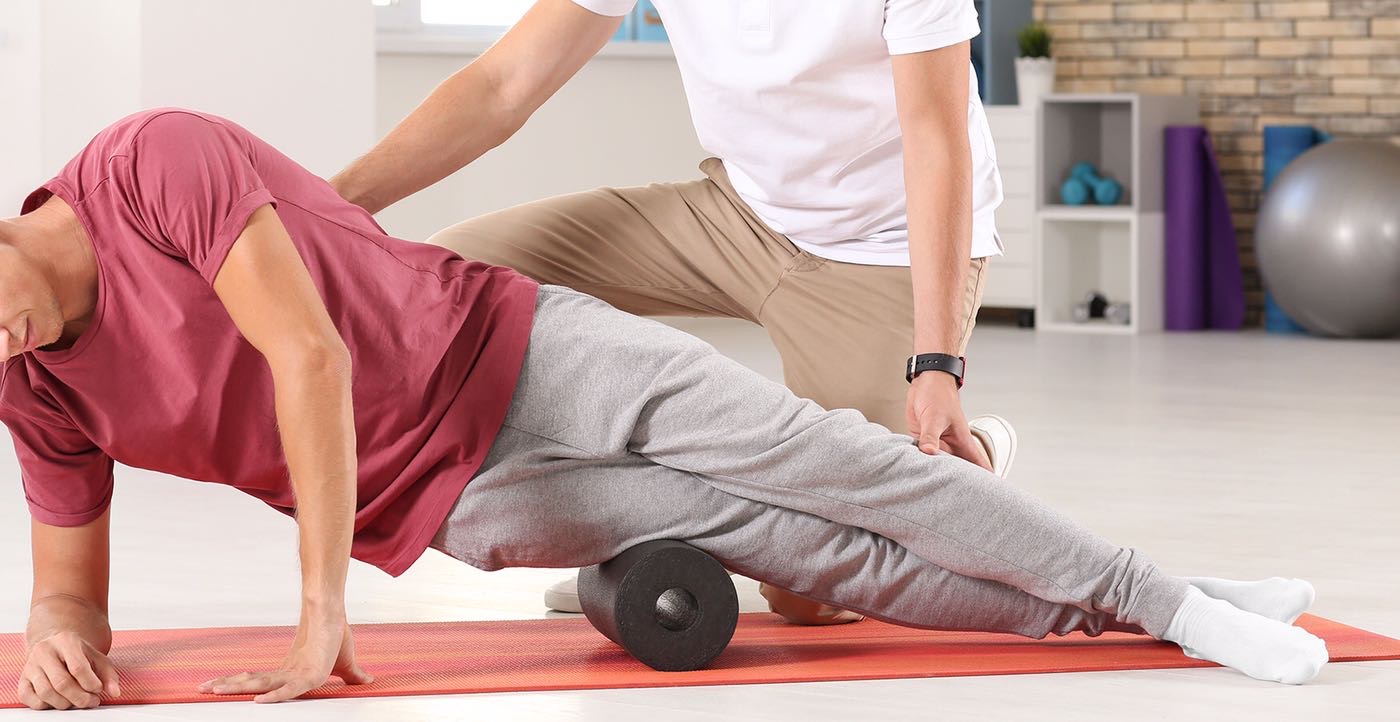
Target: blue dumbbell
[1106, 191]
[1074, 192]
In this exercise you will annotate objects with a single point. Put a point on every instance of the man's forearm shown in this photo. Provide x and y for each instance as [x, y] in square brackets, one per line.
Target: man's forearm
[316, 419]
[66, 613]
[462, 119]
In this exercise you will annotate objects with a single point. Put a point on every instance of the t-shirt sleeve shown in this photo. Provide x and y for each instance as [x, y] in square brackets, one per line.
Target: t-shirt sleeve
[67, 479]
[195, 187]
[611, 8]
[915, 26]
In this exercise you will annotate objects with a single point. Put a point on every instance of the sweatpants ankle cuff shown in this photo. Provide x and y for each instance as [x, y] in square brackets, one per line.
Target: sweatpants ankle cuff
[1161, 596]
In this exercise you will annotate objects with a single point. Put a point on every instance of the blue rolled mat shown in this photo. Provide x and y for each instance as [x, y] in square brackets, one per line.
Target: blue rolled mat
[1283, 143]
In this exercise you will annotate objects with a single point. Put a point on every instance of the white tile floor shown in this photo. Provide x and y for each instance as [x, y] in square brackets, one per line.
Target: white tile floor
[1232, 455]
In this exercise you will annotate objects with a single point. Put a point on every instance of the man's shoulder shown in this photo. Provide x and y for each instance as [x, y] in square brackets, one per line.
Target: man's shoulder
[165, 126]
[101, 159]
[17, 393]
[156, 126]
[159, 141]
[28, 395]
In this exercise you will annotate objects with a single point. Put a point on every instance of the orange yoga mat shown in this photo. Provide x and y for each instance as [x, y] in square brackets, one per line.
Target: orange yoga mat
[164, 666]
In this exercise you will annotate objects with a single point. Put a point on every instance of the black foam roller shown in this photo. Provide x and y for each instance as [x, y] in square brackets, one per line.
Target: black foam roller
[670, 605]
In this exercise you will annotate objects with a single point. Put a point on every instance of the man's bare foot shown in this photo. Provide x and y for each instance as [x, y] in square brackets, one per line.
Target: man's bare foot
[799, 610]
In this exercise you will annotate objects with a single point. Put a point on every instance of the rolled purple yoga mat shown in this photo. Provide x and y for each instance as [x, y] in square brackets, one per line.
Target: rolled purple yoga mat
[1184, 205]
[1204, 284]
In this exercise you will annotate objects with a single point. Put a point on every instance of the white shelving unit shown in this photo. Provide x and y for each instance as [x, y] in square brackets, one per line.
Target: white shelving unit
[1115, 250]
[1011, 278]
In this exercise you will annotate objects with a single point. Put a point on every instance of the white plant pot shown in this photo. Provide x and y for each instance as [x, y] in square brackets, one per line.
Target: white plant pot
[1035, 79]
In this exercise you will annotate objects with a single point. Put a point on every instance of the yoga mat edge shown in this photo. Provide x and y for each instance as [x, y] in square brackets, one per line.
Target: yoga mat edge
[412, 659]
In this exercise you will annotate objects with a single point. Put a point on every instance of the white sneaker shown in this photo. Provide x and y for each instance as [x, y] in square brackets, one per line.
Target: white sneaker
[562, 596]
[997, 437]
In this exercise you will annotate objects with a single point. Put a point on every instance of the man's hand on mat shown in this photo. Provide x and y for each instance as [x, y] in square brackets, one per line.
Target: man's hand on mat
[320, 650]
[936, 421]
[65, 672]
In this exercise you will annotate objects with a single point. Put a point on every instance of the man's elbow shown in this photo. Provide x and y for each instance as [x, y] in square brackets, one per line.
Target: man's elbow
[314, 355]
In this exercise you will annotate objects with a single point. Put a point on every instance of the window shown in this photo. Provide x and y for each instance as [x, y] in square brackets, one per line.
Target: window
[476, 18]
[495, 13]
[469, 27]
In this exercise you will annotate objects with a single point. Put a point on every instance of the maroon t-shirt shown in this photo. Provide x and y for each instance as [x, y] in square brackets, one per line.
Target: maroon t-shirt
[163, 380]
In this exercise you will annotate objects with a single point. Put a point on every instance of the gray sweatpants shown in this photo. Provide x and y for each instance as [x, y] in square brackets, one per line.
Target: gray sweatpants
[623, 430]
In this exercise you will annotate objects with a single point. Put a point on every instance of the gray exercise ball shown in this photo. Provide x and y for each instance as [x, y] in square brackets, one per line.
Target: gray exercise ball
[1328, 239]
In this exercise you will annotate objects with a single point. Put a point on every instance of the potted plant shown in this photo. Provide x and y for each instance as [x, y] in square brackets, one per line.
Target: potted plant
[1035, 69]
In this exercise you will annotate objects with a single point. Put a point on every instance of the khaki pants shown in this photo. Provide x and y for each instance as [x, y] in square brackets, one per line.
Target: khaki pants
[844, 330]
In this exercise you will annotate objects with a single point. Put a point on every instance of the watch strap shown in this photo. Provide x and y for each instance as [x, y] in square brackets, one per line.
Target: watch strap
[955, 366]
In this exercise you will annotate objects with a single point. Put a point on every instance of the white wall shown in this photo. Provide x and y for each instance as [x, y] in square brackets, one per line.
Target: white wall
[301, 74]
[621, 121]
[305, 76]
[89, 72]
[21, 161]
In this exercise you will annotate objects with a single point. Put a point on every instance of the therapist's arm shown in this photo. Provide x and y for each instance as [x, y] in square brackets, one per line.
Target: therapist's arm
[931, 93]
[270, 296]
[480, 106]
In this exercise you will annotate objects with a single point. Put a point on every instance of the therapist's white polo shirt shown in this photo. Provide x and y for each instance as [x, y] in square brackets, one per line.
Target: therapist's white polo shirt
[797, 98]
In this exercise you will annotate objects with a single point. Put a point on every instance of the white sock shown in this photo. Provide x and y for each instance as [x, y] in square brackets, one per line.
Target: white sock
[1260, 647]
[1275, 597]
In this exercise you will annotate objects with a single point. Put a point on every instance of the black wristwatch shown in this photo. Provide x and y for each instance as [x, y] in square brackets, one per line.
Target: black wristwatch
[952, 365]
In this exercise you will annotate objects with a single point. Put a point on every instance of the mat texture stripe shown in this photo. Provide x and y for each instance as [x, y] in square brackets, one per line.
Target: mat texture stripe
[164, 666]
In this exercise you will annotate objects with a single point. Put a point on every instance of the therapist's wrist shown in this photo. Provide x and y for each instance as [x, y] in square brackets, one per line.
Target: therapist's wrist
[945, 368]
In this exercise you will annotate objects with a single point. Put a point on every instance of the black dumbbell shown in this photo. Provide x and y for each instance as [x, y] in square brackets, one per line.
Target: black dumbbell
[1095, 306]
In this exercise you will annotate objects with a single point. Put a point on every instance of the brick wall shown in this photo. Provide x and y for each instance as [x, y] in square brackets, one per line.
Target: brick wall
[1330, 63]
